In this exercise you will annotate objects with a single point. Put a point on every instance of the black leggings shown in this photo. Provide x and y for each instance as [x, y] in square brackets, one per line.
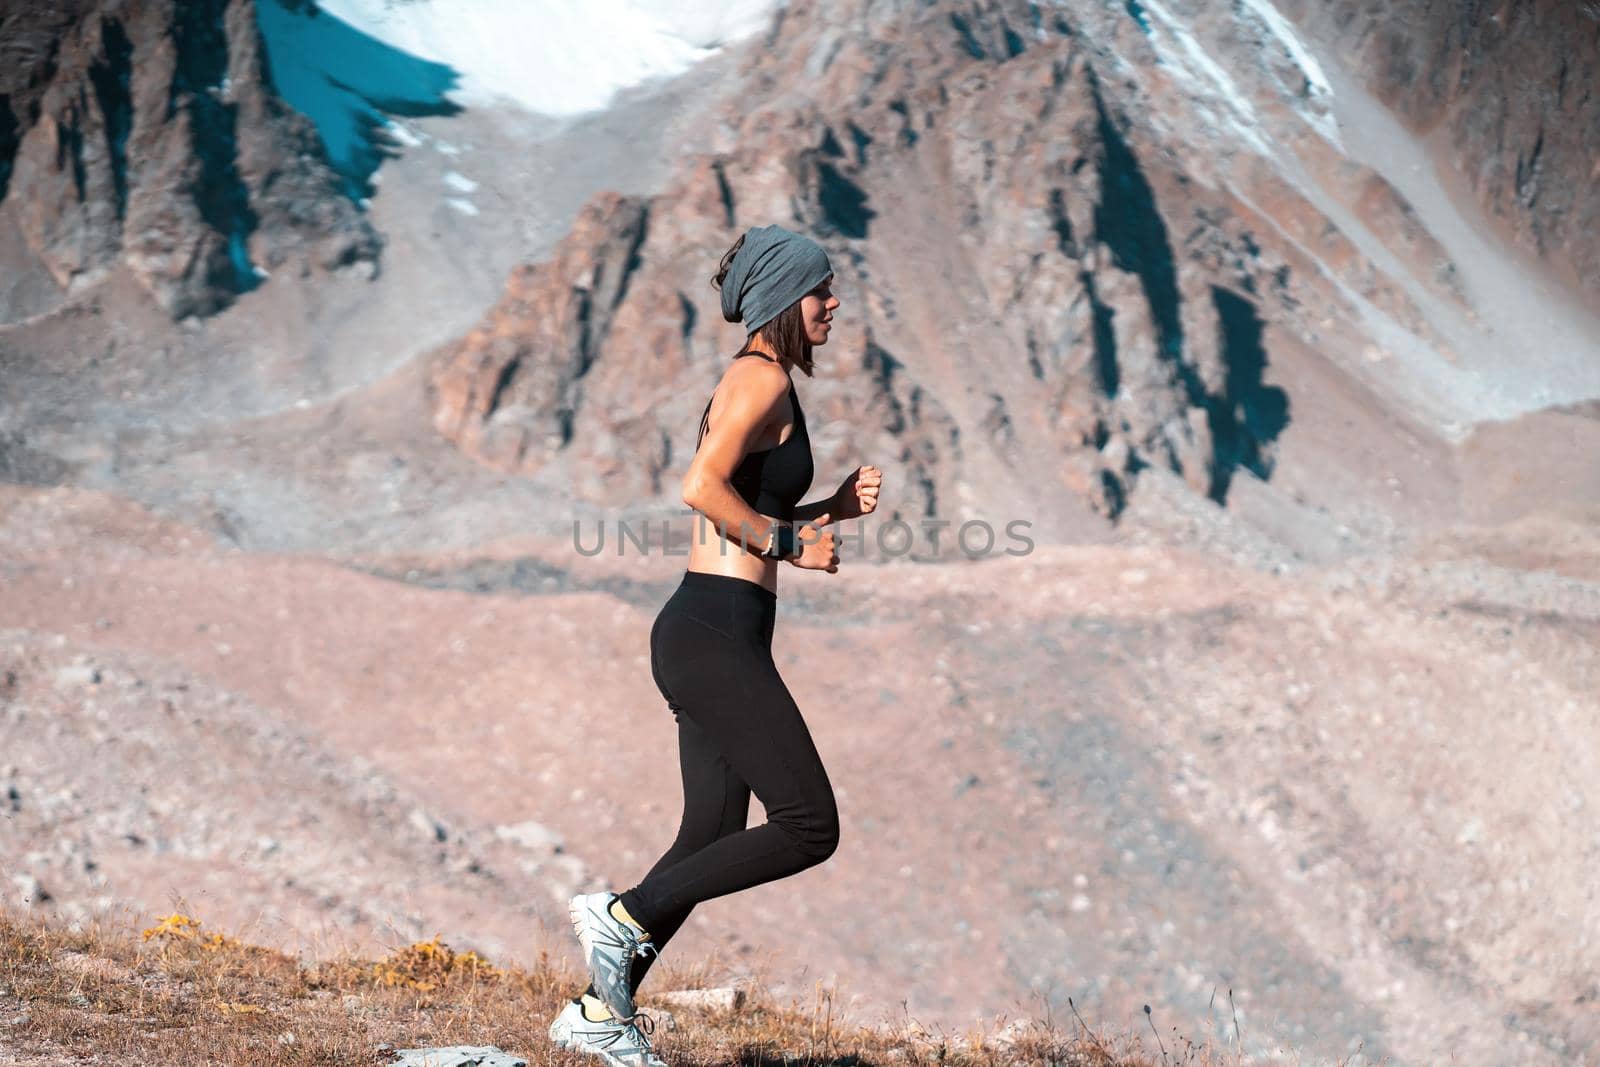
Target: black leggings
[739, 732]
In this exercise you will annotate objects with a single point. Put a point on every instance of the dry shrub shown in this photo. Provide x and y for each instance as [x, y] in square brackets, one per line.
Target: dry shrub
[429, 965]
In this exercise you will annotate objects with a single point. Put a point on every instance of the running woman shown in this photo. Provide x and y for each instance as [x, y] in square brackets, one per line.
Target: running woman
[739, 730]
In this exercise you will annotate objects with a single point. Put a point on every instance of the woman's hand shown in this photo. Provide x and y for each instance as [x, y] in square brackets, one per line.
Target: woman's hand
[817, 550]
[857, 495]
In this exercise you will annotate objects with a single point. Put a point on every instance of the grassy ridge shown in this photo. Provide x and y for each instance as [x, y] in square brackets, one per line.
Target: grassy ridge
[179, 995]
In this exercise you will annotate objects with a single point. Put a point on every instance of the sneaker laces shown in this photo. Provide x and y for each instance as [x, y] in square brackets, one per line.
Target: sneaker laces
[639, 1028]
[638, 943]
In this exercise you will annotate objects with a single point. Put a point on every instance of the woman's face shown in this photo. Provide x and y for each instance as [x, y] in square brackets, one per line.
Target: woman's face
[816, 308]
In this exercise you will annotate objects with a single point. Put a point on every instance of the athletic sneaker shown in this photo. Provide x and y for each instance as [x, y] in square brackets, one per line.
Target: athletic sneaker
[609, 946]
[621, 1044]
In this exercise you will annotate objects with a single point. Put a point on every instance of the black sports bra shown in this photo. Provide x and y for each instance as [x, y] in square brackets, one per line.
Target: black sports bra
[773, 480]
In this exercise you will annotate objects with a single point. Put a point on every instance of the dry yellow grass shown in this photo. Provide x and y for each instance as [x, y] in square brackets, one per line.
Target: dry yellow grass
[179, 995]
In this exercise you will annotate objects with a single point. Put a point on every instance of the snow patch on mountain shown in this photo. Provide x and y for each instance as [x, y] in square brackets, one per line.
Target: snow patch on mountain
[561, 57]
[1291, 42]
[1318, 90]
[1219, 98]
[1179, 52]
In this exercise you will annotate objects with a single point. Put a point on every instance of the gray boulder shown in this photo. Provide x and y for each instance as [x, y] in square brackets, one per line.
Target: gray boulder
[457, 1056]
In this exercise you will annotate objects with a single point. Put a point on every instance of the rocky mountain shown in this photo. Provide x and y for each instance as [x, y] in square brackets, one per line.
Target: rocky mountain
[1054, 194]
[1508, 93]
[147, 138]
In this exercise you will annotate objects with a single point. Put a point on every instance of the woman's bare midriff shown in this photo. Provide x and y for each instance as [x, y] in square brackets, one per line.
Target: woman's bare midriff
[721, 556]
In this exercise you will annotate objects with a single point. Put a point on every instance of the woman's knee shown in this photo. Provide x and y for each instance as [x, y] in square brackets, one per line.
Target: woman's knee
[822, 842]
[816, 832]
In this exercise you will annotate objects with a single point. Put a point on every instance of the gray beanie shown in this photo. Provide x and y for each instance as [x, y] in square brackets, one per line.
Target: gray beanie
[772, 269]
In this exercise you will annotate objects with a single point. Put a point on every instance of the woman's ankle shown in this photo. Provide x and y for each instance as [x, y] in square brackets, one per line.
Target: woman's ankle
[594, 1009]
[620, 912]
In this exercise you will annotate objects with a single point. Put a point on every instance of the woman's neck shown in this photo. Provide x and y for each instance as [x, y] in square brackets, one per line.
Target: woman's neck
[758, 344]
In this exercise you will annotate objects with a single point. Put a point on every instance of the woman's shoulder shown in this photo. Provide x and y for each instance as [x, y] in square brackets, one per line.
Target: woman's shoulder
[763, 375]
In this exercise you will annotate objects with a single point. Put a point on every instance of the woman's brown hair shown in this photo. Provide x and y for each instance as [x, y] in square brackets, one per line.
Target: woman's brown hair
[786, 333]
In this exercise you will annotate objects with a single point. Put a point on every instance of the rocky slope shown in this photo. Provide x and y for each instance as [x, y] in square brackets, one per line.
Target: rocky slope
[1510, 95]
[199, 787]
[147, 138]
[1351, 794]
